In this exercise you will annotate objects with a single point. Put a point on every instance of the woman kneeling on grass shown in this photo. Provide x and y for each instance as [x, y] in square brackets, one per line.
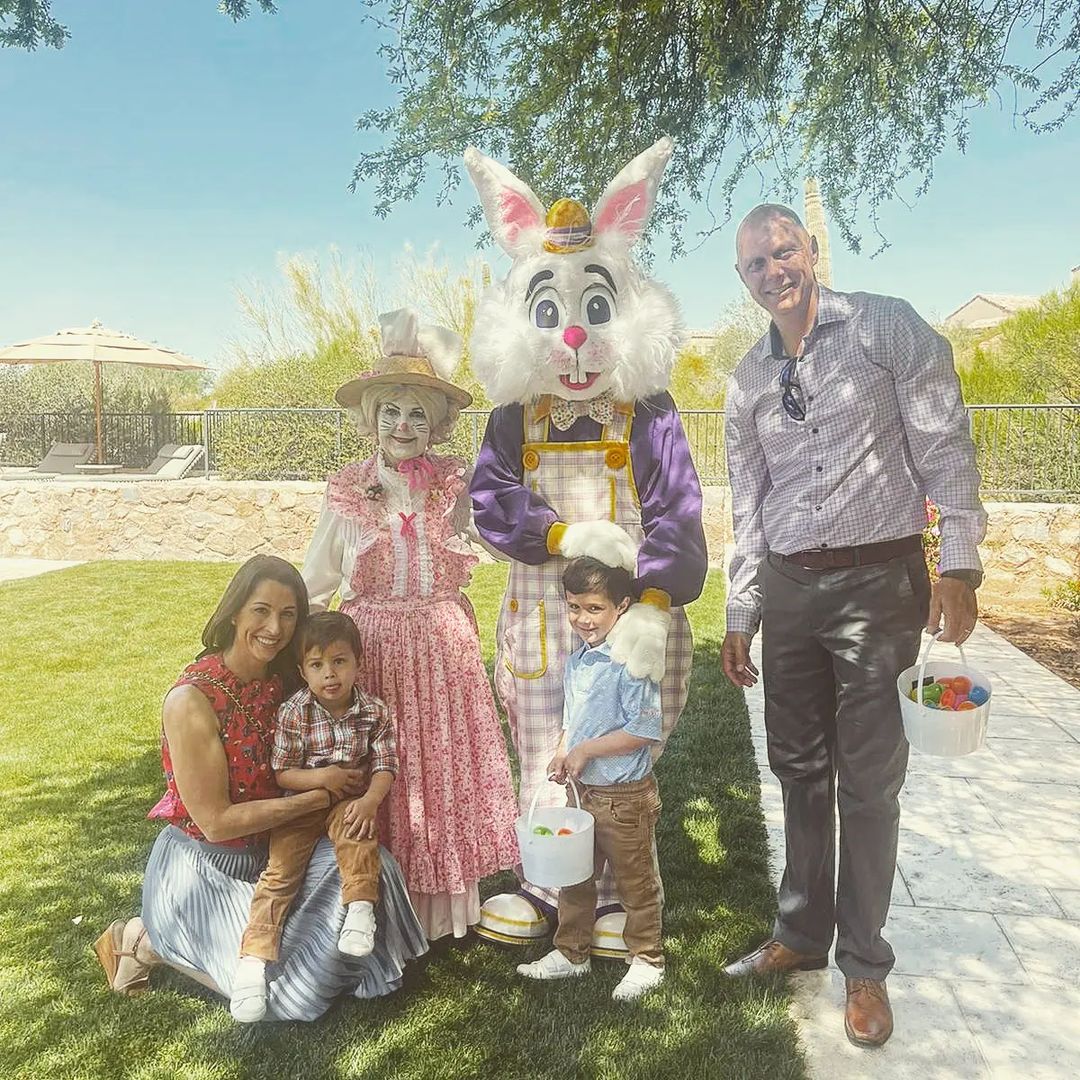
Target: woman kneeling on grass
[221, 798]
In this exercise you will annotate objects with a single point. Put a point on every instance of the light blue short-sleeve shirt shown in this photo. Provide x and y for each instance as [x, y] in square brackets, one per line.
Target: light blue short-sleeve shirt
[599, 697]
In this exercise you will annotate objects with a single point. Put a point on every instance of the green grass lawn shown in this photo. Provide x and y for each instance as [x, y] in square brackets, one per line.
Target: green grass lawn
[85, 658]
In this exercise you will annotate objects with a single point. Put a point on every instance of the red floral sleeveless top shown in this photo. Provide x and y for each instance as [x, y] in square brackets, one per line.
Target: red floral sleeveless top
[246, 712]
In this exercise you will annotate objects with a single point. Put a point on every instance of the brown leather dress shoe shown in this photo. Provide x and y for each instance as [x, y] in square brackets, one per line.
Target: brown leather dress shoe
[772, 958]
[868, 1015]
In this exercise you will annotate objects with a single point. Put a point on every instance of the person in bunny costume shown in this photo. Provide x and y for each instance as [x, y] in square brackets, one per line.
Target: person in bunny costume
[584, 455]
[391, 540]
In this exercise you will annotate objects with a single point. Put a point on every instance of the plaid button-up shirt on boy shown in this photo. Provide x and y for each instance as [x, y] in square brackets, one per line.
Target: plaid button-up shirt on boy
[309, 737]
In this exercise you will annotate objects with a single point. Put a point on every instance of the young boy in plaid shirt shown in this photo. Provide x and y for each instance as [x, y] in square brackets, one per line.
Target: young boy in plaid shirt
[329, 735]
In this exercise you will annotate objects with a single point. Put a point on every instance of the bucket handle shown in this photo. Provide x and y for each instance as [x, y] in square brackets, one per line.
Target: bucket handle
[536, 795]
[926, 656]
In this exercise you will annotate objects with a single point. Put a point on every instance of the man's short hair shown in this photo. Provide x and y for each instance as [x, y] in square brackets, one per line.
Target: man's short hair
[585, 575]
[769, 210]
[324, 628]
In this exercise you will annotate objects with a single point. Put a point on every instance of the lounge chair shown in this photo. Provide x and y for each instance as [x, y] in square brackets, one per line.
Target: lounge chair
[59, 461]
[173, 462]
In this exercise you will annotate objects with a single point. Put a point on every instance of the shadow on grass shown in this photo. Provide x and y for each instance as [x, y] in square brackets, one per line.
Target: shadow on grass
[76, 845]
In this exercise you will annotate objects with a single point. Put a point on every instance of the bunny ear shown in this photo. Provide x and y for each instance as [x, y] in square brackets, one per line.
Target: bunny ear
[514, 214]
[442, 347]
[627, 203]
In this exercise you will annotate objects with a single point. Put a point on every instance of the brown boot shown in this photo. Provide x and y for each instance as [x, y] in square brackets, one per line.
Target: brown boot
[868, 1015]
[772, 958]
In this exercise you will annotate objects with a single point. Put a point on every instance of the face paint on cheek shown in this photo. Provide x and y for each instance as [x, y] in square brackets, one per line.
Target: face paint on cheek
[403, 428]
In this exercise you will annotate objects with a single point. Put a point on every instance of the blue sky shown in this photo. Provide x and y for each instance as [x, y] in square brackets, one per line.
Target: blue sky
[166, 157]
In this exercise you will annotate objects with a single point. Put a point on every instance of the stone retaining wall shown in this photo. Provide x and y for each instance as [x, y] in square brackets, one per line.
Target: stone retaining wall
[1029, 546]
[211, 520]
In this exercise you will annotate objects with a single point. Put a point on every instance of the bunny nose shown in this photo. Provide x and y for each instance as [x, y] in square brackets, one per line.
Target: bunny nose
[574, 336]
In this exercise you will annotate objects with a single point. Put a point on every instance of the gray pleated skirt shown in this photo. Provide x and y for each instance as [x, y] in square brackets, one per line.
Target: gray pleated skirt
[195, 903]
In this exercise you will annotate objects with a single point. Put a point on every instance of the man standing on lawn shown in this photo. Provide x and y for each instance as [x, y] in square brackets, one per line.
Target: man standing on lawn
[840, 421]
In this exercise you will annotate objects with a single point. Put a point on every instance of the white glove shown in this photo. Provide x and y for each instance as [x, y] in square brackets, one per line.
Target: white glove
[600, 540]
[639, 640]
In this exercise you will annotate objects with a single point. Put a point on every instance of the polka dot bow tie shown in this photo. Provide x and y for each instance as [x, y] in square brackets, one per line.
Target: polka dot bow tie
[601, 409]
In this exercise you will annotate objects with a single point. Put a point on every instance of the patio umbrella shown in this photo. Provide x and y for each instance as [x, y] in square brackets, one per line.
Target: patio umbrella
[97, 345]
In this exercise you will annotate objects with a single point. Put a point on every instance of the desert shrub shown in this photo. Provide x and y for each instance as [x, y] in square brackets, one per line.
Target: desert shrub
[1043, 343]
[1066, 596]
[45, 403]
[317, 330]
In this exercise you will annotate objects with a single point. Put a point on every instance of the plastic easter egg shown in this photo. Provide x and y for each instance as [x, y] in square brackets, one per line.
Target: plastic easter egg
[978, 695]
[962, 685]
[948, 699]
[565, 832]
[932, 694]
[542, 830]
[965, 705]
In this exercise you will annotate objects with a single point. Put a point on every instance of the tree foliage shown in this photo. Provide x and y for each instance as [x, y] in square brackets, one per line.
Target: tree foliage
[1033, 357]
[1043, 344]
[316, 330]
[26, 24]
[29, 389]
[863, 95]
[320, 326]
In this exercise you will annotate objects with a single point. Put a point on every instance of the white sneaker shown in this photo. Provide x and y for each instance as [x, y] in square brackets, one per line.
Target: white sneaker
[357, 936]
[640, 977]
[553, 966]
[248, 1001]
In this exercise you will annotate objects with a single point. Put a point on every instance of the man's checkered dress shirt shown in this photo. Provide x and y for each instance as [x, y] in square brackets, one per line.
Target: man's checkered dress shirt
[885, 427]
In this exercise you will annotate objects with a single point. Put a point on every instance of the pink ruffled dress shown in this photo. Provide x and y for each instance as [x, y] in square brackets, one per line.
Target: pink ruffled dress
[391, 543]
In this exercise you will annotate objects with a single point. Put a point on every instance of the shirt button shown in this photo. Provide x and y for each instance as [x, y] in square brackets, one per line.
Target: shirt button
[817, 469]
[814, 430]
[817, 507]
[824, 545]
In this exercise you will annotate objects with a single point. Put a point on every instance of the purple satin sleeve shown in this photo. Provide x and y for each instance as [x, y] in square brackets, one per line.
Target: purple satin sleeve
[673, 555]
[510, 517]
[515, 520]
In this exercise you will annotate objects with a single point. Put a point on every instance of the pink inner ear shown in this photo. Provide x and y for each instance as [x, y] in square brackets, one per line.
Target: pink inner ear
[626, 210]
[517, 213]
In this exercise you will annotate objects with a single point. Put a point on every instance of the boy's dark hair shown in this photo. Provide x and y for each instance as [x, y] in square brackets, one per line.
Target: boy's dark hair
[324, 628]
[586, 574]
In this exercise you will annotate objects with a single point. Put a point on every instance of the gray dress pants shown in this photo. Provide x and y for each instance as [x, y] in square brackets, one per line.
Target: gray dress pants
[833, 644]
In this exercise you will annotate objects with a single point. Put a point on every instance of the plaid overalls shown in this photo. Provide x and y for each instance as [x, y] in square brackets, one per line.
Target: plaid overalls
[580, 481]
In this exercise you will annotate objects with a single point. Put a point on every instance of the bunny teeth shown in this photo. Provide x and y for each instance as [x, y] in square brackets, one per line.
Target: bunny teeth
[569, 383]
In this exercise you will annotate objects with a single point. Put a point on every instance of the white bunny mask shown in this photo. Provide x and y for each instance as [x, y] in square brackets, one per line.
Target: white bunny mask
[575, 317]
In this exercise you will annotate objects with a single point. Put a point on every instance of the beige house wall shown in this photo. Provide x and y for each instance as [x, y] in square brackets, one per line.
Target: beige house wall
[1029, 546]
[976, 310]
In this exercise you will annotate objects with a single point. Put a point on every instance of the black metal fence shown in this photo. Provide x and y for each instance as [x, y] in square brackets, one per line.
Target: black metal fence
[1025, 451]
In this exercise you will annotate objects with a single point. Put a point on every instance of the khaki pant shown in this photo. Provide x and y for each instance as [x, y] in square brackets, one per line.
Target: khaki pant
[290, 850]
[626, 816]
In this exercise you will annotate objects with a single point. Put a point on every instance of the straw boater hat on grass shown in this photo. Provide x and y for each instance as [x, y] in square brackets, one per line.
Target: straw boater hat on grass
[412, 355]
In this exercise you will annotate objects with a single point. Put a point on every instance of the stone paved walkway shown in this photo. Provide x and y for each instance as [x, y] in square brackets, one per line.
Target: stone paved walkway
[985, 917]
[13, 569]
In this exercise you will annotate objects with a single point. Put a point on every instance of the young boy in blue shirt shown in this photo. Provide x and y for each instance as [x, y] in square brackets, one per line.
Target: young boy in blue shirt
[611, 722]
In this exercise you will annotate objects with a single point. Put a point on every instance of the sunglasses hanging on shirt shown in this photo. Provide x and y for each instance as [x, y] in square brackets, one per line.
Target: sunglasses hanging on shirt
[792, 396]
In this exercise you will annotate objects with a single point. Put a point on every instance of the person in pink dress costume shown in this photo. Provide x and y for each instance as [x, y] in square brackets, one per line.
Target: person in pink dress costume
[391, 540]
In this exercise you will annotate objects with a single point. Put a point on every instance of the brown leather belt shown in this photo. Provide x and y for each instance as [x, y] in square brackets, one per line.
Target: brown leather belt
[841, 558]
